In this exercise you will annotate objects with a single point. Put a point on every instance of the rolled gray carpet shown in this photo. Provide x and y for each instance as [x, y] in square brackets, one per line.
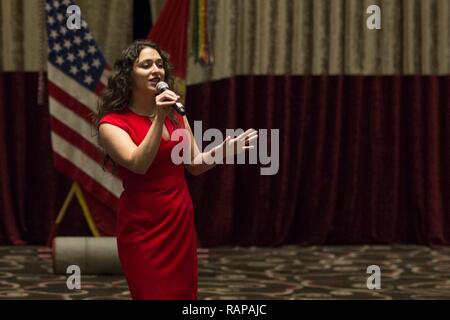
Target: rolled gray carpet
[93, 255]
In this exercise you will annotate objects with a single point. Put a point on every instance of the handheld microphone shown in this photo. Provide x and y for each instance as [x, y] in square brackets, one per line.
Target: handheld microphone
[178, 107]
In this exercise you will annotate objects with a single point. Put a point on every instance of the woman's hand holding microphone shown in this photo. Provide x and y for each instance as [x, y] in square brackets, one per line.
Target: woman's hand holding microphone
[164, 103]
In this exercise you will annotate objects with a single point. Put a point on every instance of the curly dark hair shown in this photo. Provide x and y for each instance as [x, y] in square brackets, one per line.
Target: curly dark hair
[116, 97]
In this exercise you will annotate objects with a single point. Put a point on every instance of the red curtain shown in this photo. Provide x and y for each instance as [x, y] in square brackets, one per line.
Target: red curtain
[32, 191]
[362, 160]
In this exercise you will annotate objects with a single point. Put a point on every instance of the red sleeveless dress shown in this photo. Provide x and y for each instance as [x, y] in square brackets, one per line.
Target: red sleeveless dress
[156, 236]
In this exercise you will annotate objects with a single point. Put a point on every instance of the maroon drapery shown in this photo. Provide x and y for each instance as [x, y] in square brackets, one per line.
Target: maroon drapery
[362, 160]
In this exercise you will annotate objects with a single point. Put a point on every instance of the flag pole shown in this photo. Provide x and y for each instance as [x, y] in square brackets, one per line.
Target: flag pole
[76, 191]
[86, 211]
[61, 214]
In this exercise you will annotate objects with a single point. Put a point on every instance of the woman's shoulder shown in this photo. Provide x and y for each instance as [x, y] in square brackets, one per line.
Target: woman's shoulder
[117, 118]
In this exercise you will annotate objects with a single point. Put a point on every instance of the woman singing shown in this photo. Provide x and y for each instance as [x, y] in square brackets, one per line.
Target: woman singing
[156, 236]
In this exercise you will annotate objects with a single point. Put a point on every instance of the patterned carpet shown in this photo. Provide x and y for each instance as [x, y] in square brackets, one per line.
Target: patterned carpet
[288, 272]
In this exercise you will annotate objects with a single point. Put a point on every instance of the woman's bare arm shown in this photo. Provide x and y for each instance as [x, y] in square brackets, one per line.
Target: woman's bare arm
[118, 144]
[229, 147]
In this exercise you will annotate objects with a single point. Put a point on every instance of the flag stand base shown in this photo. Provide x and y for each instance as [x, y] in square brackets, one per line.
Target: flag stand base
[76, 191]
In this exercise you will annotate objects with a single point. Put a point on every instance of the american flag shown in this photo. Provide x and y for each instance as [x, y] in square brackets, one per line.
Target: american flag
[77, 73]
